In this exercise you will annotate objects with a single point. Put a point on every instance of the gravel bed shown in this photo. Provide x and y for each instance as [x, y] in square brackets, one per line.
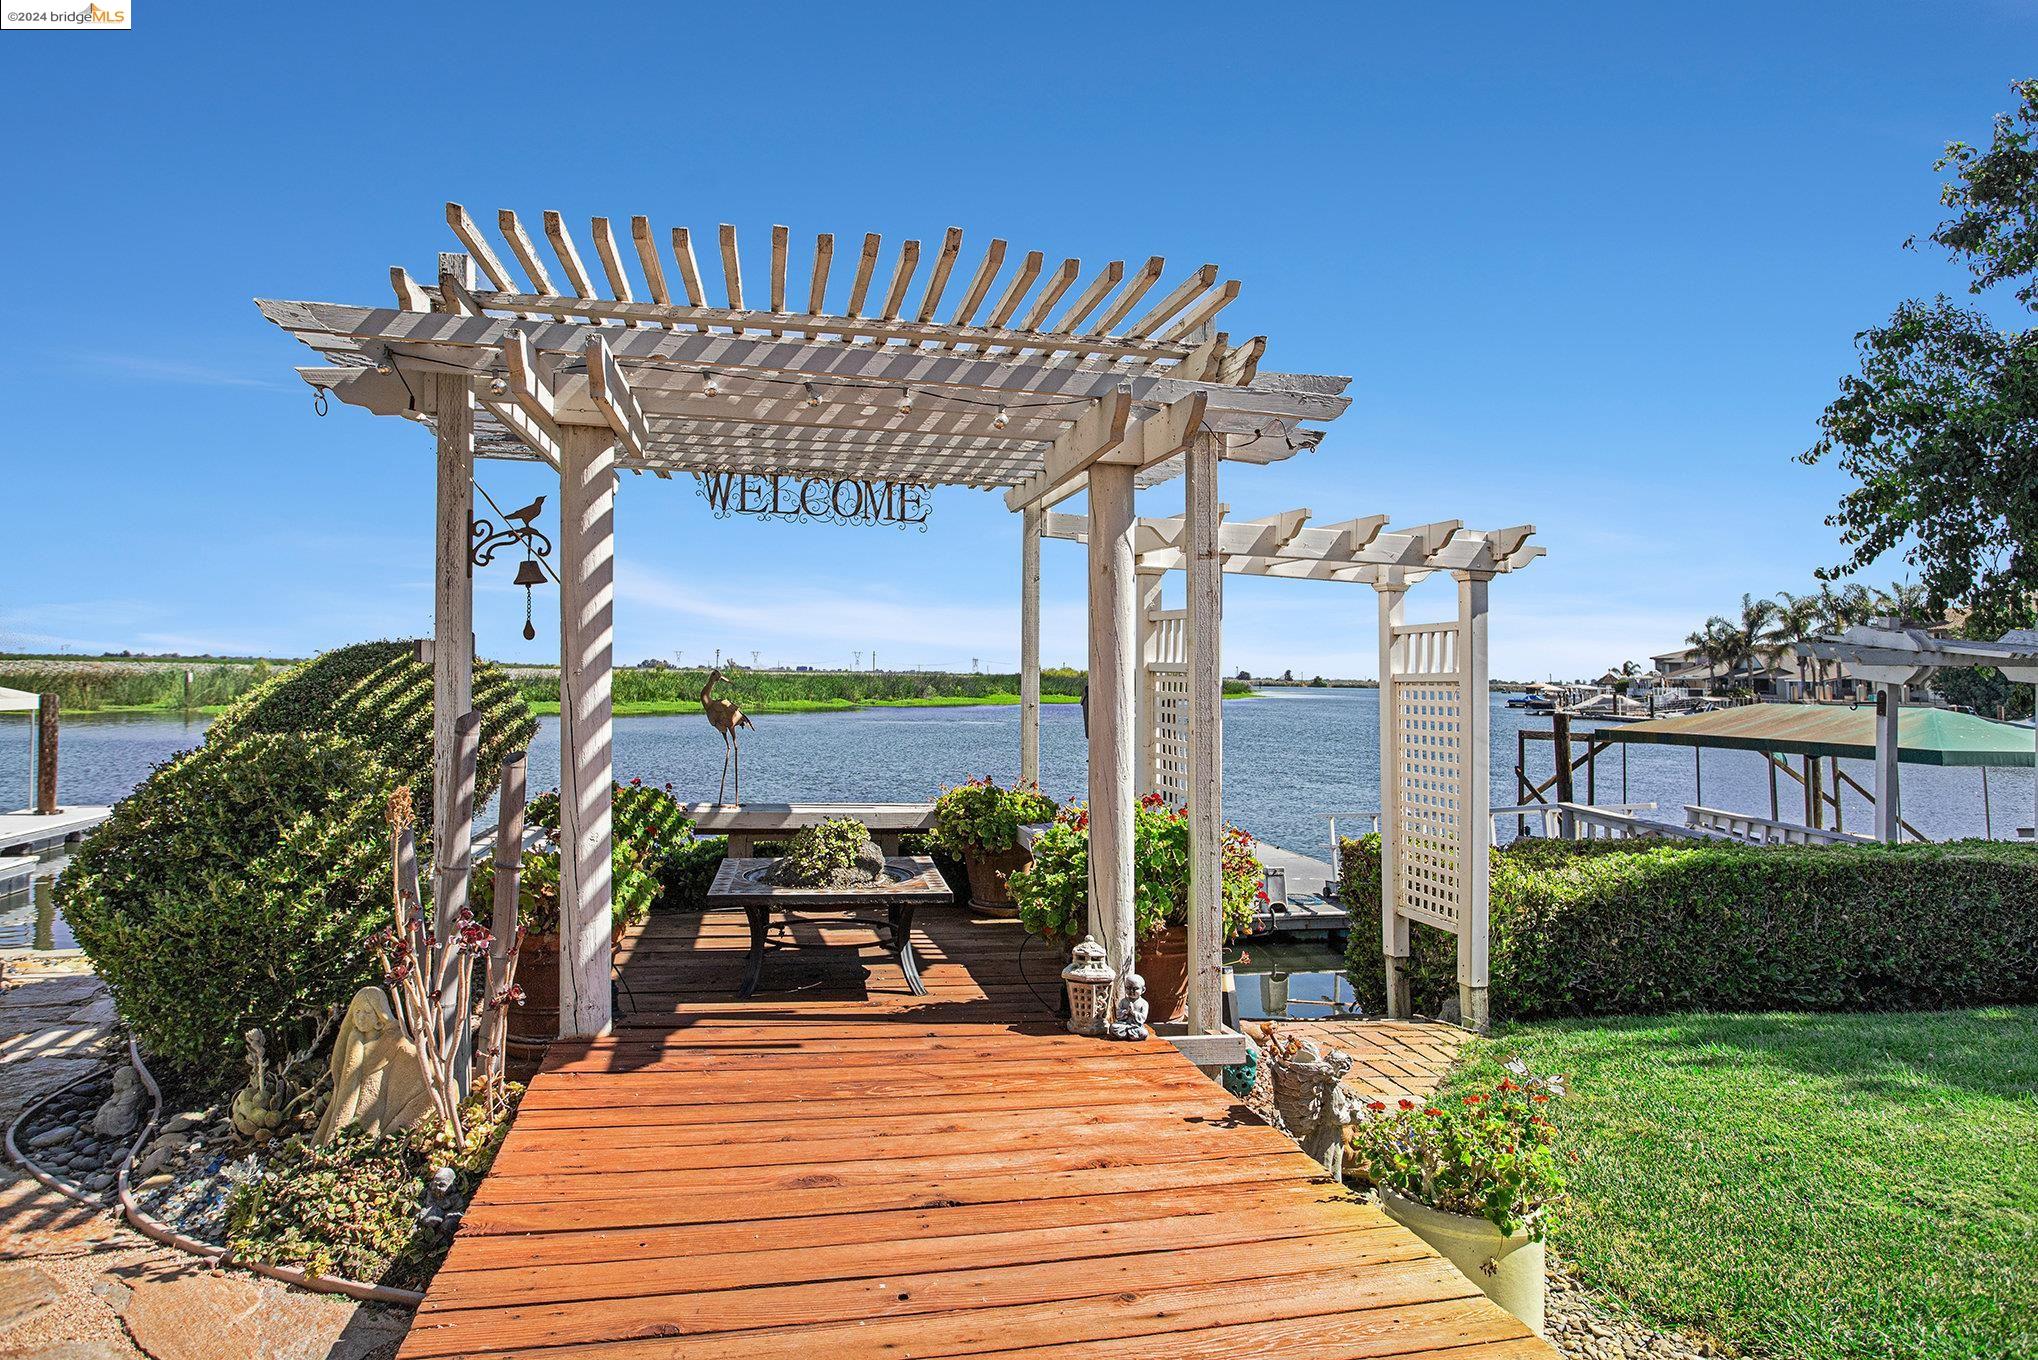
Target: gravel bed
[61, 1138]
[1579, 1324]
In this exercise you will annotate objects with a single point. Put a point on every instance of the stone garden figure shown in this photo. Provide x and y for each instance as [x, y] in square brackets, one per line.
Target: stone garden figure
[1130, 1021]
[1311, 1102]
[378, 1081]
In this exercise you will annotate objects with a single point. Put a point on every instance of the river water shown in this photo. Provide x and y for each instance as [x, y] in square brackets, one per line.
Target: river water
[1291, 756]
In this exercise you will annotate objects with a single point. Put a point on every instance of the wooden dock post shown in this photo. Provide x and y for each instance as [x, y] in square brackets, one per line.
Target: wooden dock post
[48, 708]
[1560, 743]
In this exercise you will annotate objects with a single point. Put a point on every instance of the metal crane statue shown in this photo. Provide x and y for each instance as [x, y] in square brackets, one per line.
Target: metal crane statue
[726, 717]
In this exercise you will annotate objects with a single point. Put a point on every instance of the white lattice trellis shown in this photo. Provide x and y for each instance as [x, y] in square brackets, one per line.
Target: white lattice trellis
[1164, 672]
[1436, 728]
[1429, 731]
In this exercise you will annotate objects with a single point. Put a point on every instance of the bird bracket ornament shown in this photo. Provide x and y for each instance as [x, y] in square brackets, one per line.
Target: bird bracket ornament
[517, 530]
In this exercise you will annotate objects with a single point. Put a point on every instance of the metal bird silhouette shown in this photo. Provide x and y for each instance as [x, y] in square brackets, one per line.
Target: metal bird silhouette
[726, 718]
[528, 512]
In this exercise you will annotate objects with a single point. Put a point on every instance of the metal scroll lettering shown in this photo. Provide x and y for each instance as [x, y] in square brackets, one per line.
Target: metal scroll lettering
[827, 500]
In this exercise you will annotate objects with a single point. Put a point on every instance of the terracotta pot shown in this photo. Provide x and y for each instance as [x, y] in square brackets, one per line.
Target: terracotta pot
[988, 891]
[1509, 1270]
[1163, 961]
[535, 1024]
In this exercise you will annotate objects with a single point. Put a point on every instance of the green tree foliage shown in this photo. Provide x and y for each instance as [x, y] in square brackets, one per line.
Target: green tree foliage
[1995, 195]
[237, 886]
[1939, 429]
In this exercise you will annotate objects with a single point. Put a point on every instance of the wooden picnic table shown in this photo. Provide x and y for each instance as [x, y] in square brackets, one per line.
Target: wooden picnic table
[913, 882]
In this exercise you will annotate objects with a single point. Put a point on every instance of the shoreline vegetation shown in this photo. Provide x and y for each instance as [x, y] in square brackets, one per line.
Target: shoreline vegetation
[204, 687]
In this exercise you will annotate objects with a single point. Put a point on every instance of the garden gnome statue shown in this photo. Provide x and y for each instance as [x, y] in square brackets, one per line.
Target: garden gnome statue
[1088, 979]
[1130, 1021]
[1311, 1102]
[378, 1081]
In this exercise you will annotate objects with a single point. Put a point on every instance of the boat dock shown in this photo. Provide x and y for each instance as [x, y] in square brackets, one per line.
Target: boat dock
[838, 1167]
[1310, 910]
[25, 832]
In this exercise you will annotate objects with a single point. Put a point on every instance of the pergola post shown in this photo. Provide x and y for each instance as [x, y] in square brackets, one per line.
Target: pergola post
[1475, 797]
[1205, 571]
[587, 485]
[1391, 595]
[452, 624]
[1888, 798]
[1113, 626]
[1150, 598]
[1029, 646]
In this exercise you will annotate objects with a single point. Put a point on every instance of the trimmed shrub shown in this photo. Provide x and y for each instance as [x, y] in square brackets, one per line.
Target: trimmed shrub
[236, 888]
[380, 694]
[1654, 926]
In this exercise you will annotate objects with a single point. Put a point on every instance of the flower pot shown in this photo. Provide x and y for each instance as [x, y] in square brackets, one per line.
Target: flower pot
[988, 892]
[1163, 961]
[535, 1024]
[1508, 1269]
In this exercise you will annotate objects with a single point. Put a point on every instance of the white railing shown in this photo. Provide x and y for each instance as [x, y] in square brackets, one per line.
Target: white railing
[1543, 819]
[1763, 830]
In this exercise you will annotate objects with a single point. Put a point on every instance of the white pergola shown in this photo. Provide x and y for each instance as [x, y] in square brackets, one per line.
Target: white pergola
[1435, 709]
[1043, 381]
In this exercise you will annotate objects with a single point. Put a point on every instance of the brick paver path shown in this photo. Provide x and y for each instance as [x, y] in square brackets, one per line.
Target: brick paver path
[1397, 1059]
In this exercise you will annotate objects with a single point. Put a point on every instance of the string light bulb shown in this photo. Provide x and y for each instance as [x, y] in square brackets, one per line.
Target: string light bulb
[905, 403]
[499, 386]
[711, 384]
[1002, 419]
[813, 396]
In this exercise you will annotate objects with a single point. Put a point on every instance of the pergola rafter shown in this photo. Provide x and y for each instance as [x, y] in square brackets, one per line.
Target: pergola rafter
[1045, 380]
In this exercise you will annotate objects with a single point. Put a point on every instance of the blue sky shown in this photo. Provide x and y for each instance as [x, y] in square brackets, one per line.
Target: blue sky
[1595, 267]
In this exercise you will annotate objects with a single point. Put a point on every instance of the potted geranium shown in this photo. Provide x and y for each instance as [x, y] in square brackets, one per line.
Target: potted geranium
[1053, 892]
[1473, 1176]
[979, 823]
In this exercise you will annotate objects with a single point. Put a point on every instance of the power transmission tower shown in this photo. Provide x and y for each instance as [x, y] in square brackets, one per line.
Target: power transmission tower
[753, 660]
[857, 664]
[678, 657]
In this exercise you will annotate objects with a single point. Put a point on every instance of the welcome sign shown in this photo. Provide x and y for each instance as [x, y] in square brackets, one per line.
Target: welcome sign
[839, 500]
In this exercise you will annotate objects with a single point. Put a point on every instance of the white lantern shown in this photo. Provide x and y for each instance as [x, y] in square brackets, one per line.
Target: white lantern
[1088, 979]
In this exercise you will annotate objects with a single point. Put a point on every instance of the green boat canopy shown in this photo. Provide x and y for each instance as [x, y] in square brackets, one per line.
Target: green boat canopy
[1926, 736]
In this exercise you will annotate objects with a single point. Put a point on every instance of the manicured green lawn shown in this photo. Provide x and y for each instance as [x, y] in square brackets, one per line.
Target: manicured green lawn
[1805, 1185]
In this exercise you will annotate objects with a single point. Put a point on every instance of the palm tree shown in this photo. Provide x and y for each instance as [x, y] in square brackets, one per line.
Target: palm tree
[1723, 646]
[1797, 620]
[1906, 602]
[1752, 637]
[1702, 642]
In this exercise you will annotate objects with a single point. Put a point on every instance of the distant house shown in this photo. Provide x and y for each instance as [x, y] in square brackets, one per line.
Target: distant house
[1784, 678]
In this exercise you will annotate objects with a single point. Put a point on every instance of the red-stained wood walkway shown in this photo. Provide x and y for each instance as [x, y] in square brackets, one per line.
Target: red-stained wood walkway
[838, 1168]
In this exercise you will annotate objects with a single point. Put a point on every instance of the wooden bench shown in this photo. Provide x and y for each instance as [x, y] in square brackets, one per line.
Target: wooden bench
[745, 824]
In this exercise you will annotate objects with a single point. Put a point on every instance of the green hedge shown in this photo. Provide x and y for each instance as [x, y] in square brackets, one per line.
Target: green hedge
[1647, 927]
[237, 886]
[380, 694]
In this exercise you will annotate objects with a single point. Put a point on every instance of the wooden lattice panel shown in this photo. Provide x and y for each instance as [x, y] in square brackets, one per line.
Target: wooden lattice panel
[1430, 729]
[1169, 691]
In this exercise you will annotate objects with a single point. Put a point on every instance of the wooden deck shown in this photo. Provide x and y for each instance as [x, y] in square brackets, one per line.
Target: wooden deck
[839, 1168]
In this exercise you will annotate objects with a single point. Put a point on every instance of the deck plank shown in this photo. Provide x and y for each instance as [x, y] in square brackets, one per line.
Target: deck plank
[838, 1167]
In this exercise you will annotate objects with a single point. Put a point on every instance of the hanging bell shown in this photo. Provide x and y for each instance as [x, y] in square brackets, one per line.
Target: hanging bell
[529, 573]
